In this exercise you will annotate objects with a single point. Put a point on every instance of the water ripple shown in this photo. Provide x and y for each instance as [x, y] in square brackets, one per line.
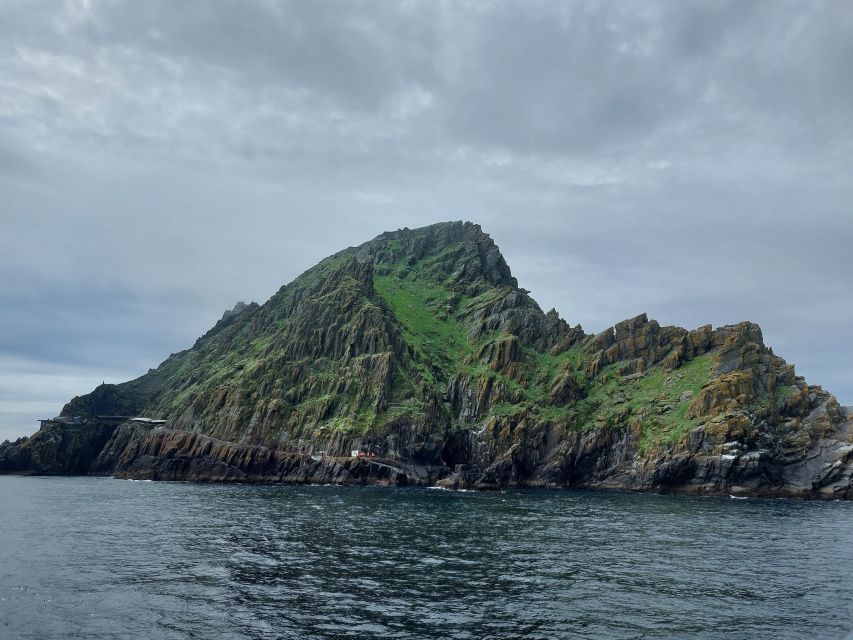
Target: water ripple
[100, 558]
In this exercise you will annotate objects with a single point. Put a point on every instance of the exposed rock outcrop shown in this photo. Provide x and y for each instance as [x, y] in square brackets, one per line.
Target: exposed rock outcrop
[57, 449]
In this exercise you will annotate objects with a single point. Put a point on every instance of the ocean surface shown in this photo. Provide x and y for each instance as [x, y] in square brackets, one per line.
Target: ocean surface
[103, 558]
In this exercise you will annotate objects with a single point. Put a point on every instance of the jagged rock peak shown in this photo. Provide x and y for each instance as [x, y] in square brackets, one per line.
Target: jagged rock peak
[482, 256]
[240, 307]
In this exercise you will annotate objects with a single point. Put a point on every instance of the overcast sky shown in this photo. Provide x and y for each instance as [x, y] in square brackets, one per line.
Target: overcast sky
[160, 161]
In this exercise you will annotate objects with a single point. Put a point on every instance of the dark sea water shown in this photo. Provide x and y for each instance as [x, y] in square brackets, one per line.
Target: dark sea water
[103, 558]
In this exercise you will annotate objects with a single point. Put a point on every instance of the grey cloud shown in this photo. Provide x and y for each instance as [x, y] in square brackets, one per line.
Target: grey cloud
[534, 83]
[347, 51]
[12, 161]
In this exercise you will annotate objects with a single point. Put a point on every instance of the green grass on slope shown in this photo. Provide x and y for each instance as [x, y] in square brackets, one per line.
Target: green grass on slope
[238, 359]
[419, 300]
[656, 397]
[439, 337]
[540, 372]
[572, 360]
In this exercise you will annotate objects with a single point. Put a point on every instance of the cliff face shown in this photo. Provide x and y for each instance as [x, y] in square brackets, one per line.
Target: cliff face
[420, 348]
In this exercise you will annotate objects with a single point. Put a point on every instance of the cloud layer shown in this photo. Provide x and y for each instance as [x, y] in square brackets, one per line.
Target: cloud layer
[161, 160]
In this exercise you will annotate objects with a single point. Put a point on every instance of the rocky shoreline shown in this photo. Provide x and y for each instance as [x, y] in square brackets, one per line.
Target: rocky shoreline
[140, 452]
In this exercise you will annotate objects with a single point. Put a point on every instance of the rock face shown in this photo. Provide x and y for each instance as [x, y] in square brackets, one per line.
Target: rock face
[419, 349]
[57, 449]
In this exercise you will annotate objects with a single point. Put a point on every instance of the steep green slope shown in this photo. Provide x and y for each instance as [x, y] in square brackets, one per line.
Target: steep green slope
[362, 343]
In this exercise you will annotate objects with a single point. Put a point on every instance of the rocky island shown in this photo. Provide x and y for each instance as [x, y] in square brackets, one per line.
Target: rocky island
[416, 358]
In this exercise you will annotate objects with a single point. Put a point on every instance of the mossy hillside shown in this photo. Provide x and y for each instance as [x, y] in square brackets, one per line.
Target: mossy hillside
[371, 341]
[252, 362]
[284, 360]
[270, 365]
[436, 322]
[533, 387]
[658, 401]
[429, 325]
[435, 304]
[442, 318]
